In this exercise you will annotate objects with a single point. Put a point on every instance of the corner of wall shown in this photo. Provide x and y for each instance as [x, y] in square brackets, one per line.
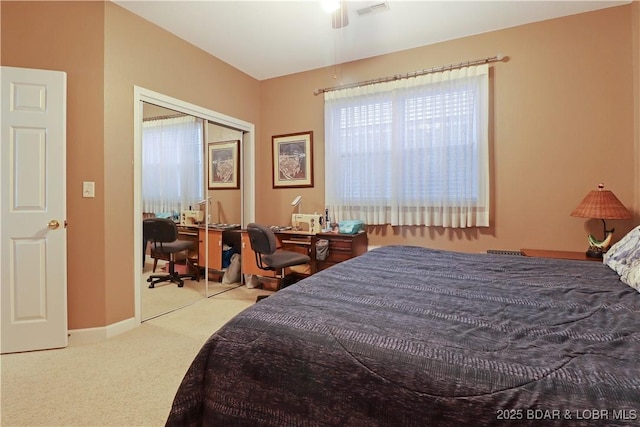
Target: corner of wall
[91, 335]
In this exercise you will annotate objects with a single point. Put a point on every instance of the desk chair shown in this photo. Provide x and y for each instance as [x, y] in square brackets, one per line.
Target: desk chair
[268, 257]
[163, 234]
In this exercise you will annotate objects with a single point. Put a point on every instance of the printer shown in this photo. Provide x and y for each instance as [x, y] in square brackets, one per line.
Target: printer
[307, 222]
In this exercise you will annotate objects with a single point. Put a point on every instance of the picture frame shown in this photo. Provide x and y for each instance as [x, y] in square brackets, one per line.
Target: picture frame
[224, 165]
[292, 164]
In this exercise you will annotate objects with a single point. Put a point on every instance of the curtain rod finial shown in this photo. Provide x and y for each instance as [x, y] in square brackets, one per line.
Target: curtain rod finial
[499, 57]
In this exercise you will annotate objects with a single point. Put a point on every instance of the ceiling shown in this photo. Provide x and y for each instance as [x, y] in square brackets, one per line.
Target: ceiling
[266, 39]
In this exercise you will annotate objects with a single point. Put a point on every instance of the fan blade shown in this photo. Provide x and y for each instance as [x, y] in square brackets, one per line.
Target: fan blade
[340, 17]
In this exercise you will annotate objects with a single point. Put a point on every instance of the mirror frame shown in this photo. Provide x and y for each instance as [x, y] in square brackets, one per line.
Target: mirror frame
[141, 95]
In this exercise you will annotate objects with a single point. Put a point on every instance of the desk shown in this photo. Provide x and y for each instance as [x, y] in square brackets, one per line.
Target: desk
[302, 242]
[218, 237]
[290, 240]
[341, 248]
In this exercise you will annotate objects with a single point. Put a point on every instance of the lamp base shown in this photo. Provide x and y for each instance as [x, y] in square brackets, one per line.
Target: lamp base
[594, 253]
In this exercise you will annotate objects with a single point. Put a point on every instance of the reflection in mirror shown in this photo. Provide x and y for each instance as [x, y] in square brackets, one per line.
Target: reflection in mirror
[224, 188]
[175, 185]
[223, 207]
[171, 183]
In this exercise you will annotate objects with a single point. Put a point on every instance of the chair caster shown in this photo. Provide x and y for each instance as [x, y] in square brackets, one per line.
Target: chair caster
[180, 284]
[152, 285]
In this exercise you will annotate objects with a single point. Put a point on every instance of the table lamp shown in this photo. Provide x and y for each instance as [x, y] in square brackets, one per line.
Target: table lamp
[600, 204]
[202, 202]
[296, 202]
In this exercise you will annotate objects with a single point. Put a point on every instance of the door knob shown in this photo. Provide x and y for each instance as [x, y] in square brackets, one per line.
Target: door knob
[53, 224]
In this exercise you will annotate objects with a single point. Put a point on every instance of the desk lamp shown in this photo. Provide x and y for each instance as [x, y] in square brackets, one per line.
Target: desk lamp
[600, 204]
[296, 203]
[201, 202]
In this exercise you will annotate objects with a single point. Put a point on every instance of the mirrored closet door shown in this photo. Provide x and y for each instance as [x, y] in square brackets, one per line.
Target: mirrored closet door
[190, 173]
[172, 184]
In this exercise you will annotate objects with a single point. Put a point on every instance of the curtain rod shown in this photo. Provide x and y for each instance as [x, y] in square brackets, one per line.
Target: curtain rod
[498, 57]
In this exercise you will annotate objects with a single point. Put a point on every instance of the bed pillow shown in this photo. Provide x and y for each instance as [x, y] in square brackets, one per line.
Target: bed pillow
[631, 276]
[624, 255]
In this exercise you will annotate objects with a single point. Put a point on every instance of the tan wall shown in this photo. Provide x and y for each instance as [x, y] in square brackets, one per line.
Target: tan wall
[562, 121]
[105, 51]
[49, 35]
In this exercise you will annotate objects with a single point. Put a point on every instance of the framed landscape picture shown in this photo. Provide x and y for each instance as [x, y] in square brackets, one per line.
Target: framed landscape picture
[224, 165]
[293, 160]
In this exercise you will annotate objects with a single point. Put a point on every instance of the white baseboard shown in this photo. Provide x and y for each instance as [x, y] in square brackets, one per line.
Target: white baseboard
[89, 335]
[370, 247]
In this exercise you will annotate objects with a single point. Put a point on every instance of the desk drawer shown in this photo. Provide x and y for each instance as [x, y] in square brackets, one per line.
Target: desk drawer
[340, 249]
[340, 245]
[321, 265]
[338, 255]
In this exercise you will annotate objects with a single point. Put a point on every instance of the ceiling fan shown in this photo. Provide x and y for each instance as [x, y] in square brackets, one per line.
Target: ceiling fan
[340, 17]
[338, 11]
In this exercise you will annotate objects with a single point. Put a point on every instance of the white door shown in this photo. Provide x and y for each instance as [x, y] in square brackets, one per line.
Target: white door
[33, 237]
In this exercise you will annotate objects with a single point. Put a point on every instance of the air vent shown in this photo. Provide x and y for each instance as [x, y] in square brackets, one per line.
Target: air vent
[374, 8]
[501, 252]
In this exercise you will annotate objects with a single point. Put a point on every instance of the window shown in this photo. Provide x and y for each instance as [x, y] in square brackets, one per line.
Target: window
[410, 152]
[172, 164]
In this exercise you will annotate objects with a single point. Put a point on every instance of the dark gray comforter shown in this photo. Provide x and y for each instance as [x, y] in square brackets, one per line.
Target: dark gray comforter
[408, 336]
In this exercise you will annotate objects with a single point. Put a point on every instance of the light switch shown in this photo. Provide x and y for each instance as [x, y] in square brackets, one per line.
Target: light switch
[88, 189]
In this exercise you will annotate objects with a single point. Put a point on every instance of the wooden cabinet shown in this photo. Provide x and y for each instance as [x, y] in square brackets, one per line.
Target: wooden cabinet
[214, 259]
[217, 239]
[342, 247]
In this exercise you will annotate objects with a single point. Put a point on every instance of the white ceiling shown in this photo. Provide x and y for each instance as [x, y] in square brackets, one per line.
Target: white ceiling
[268, 39]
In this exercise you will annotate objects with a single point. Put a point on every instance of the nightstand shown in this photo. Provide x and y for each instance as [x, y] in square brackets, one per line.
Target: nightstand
[543, 253]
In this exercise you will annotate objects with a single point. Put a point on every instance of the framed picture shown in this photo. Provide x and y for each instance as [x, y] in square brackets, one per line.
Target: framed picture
[224, 165]
[293, 160]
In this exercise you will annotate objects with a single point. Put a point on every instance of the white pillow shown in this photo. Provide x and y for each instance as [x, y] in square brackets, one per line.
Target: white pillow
[631, 276]
[624, 258]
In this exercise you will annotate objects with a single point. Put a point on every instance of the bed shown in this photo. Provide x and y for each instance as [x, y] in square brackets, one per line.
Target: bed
[410, 336]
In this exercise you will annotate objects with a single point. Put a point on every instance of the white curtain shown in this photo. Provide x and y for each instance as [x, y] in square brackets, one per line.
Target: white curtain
[172, 164]
[410, 152]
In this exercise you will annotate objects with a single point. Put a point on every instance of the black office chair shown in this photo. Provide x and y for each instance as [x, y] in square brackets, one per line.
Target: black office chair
[268, 257]
[163, 234]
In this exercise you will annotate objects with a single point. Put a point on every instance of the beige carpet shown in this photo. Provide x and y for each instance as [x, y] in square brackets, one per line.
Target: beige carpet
[167, 296]
[128, 380]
